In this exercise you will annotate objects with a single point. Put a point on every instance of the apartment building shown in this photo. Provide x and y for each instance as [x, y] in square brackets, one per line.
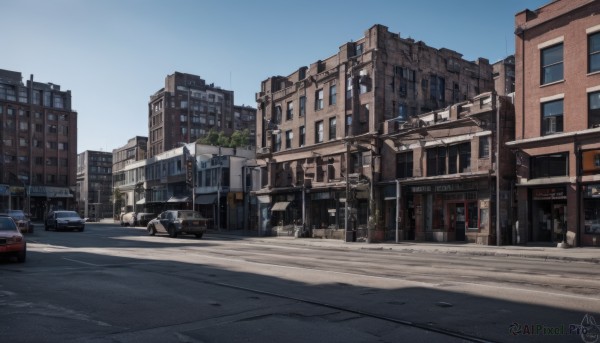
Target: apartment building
[448, 165]
[186, 109]
[504, 75]
[39, 145]
[136, 149]
[94, 184]
[244, 117]
[318, 129]
[557, 137]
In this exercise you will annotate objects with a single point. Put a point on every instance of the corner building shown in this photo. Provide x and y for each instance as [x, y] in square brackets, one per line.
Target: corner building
[318, 129]
[38, 154]
[557, 136]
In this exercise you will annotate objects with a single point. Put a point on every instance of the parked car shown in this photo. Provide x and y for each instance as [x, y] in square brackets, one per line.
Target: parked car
[64, 220]
[128, 219]
[12, 241]
[176, 222]
[143, 218]
[22, 220]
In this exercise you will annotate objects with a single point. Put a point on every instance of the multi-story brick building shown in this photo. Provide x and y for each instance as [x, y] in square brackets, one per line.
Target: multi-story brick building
[186, 109]
[318, 128]
[94, 184]
[136, 149]
[445, 177]
[504, 75]
[39, 145]
[244, 117]
[557, 137]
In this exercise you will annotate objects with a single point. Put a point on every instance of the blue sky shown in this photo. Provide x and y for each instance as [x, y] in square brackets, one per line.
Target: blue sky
[114, 54]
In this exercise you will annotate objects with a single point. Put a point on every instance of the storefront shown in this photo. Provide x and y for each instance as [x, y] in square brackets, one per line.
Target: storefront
[591, 208]
[549, 214]
[454, 211]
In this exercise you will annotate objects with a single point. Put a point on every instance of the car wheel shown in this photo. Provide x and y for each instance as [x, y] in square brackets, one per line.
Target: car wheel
[198, 235]
[172, 231]
[151, 230]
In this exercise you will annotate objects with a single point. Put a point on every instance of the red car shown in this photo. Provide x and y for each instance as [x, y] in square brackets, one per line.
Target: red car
[12, 241]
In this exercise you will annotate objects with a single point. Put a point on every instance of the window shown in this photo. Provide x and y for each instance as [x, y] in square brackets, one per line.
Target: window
[319, 99]
[277, 143]
[348, 125]
[302, 135]
[332, 128]
[484, 147]
[63, 146]
[277, 115]
[552, 64]
[349, 88]
[550, 165]
[359, 49]
[594, 51]
[594, 109]
[319, 132]
[436, 161]
[404, 165]
[23, 126]
[552, 117]
[332, 95]
[23, 142]
[289, 114]
[437, 88]
[289, 135]
[302, 106]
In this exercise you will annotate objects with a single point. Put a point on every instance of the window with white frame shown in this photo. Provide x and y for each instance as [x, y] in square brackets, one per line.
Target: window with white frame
[552, 117]
[552, 64]
[594, 52]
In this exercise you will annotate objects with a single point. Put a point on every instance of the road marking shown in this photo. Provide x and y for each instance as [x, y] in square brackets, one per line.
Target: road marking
[87, 263]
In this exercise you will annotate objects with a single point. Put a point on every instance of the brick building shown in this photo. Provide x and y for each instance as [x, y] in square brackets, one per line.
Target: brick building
[318, 129]
[504, 75]
[445, 177]
[187, 108]
[94, 184]
[557, 137]
[38, 153]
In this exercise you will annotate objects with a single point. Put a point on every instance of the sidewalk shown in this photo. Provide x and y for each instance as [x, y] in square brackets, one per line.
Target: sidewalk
[589, 255]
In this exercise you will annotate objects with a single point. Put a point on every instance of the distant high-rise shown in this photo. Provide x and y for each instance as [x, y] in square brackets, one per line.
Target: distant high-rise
[39, 145]
[94, 191]
[187, 109]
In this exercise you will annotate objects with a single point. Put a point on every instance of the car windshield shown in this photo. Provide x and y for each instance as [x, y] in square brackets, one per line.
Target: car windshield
[188, 215]
[66, 214]
[7, 224]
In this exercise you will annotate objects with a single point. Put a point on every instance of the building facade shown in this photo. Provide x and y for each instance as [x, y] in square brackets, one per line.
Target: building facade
[557, 137]
[94, 184]
[39, 145]
[212, 180]
[186, 109]
[443, 176]
[136, 149]
[318, 129]
[504, 75]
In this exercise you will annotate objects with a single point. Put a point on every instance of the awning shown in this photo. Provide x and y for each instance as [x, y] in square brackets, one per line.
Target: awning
[142, 201]
[206, 199]
[179, 199]
[280, 206]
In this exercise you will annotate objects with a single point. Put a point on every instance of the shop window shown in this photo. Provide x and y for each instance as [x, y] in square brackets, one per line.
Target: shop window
[550, 165]
[472, 216]
[552, 64]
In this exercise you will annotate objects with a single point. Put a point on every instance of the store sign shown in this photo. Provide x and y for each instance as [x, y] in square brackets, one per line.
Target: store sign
[549, 194]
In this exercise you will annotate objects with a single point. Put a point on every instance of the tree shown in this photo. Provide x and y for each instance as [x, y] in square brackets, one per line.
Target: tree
[237, 139]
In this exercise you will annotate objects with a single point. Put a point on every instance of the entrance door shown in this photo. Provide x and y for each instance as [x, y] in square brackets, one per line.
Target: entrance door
[459, 222]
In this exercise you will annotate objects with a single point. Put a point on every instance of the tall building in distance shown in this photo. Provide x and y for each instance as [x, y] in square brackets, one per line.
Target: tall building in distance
[186, 109]
[557, 136]
[39, 145]
[94, 184]
[318, 129]
[504, 75]
[136, 149]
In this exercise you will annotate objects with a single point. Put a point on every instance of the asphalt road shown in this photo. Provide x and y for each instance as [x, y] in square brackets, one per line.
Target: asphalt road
[114, 284]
